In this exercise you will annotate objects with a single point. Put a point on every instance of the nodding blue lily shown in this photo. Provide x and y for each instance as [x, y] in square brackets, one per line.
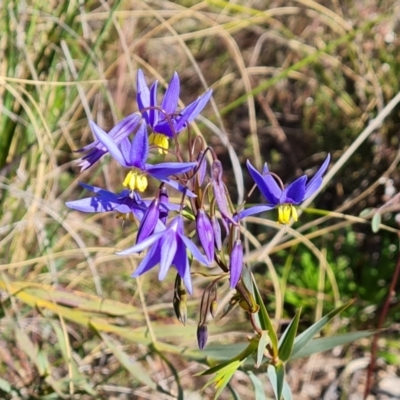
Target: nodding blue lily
[167, 248]
[96, 150]
[125, 203]
[168, 122]
[283, 198]
[133, 155]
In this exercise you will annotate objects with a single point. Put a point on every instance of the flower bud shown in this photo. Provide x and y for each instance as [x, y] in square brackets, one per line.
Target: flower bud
[149, 220]
[205, 233]
[213, 308]
[236, 263]
[180, 300]
[202, 336]
[201, 173]
[217, 232]
[164, 200]
[219, 188]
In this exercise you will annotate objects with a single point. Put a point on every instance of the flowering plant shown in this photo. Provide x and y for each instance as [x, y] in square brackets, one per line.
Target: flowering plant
[196, 174]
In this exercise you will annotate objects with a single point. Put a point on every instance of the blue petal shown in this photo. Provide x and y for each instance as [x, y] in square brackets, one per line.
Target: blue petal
[125, 127]
[150, 260]
[195, 251]
[149, 221]
[171, 97]
[267, 185]
[140, 148]
[170, 168]
[181, 263]
[168, 247]
[185, 117]
[294, 193]
[110, 145]
[137, 248]
[316, 180]
[192, 111]
[153, 113]
[125, 147]
[143, 94]
[255, 210]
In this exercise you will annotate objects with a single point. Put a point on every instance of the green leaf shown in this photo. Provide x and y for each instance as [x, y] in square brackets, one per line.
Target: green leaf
[223, 376]
[264, 340]
[224, 351]
[265, 321]
[249, 350]
[302, 340]
[287, 392]
[327, 343]
[375, 222]
[288, 337]
[276, 375]
[258, 386]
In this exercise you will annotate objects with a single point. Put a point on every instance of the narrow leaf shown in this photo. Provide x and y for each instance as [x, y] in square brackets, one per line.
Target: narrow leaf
[287, 339]
[258, 387]
[327, 343]
[276, 375]
[309, 333]
[265, 321]
[264, 340]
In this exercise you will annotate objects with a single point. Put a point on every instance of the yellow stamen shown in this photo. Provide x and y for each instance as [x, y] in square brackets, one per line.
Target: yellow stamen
[160, 140]
[285, 212]
[135, 180]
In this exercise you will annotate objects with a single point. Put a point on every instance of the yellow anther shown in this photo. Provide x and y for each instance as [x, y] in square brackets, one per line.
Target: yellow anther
[285, 212]
[160, 140]
[135, 180]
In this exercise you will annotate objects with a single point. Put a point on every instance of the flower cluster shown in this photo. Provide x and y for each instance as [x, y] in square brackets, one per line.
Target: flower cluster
[204, 202]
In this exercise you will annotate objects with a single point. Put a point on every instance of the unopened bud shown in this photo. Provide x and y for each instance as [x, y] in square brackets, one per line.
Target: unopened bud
[164, 199]
[213, 308]
[201, 173]
[217, 232]
[180, 300]
[202, 336]
[205, 233]
[236, 263]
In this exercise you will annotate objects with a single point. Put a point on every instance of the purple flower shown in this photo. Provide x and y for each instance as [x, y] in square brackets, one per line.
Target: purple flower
[167, 248]
[96, 150]
[125, 202]
[134, 154]
[286, 198]
[166, 123]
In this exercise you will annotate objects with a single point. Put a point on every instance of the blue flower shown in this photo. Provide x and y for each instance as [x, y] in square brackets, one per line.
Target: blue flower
[125, 202]
[286, 198]
[134, 154]
[167, 248]
[168, 122]
[96, 150]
